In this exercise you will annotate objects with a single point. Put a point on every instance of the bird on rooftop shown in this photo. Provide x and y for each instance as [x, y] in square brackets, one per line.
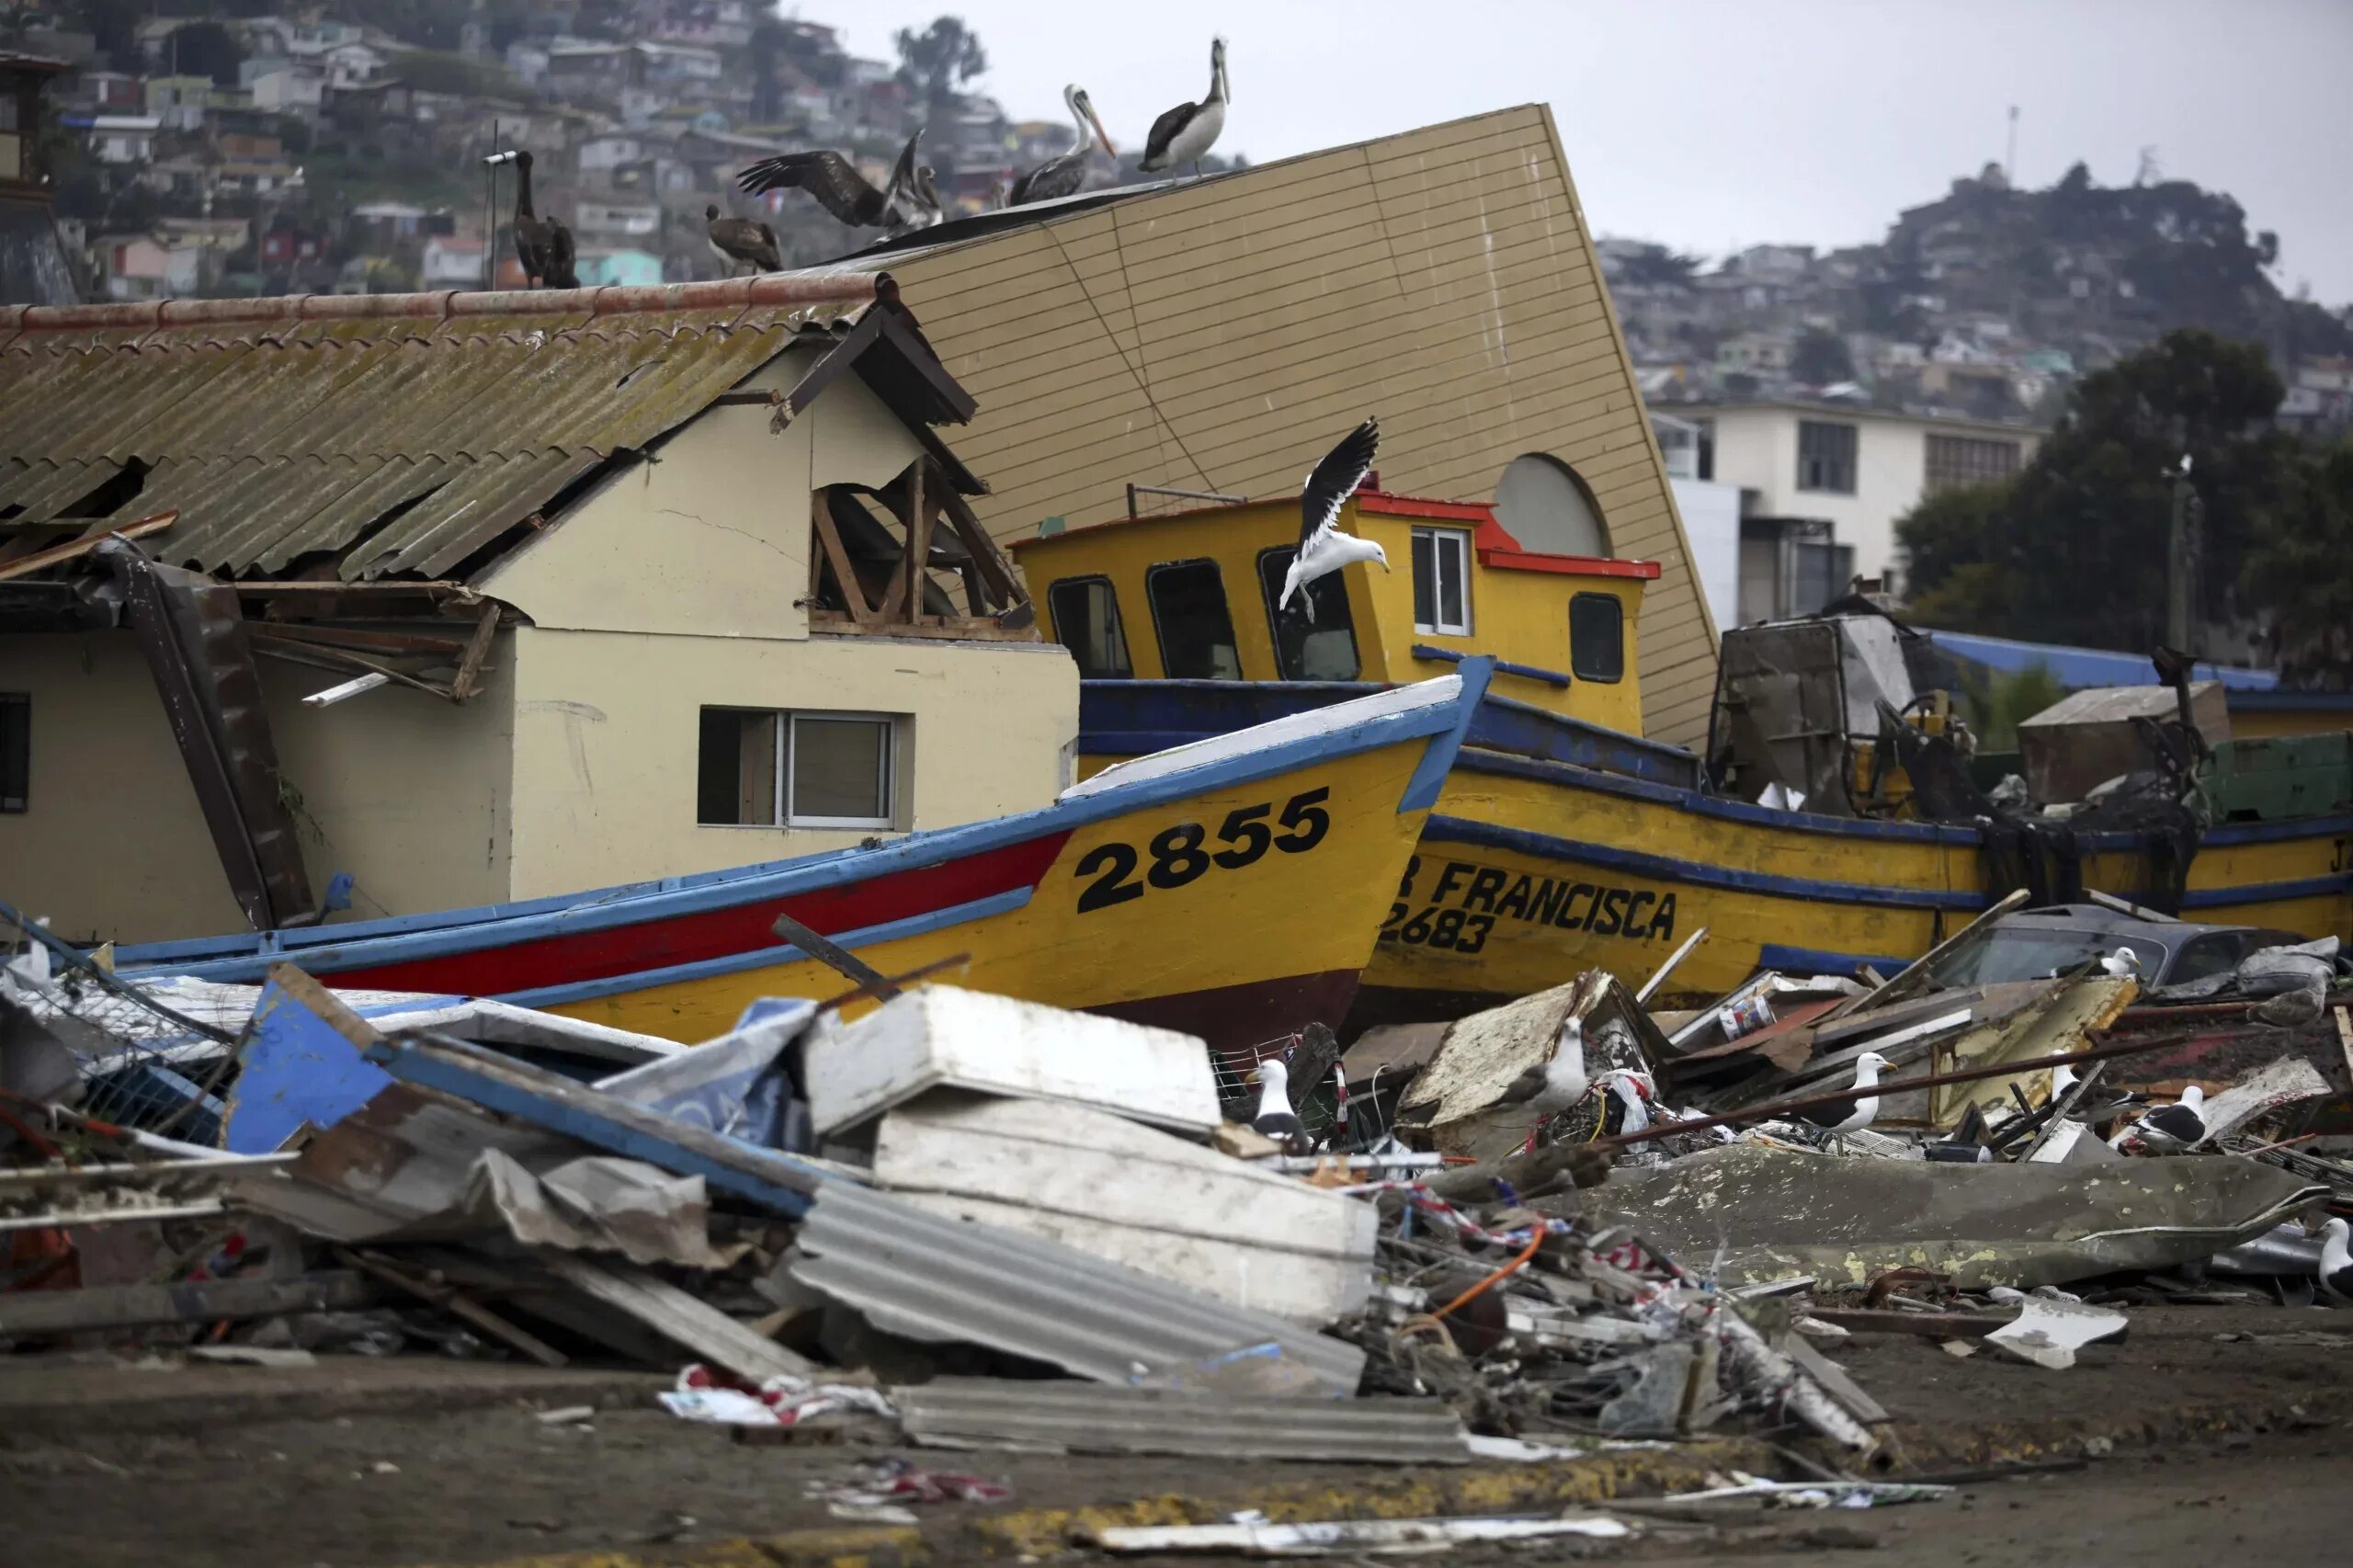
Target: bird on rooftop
[1841, 1117]
[1323, 548]
[901, 204]
[741, 240]
[1063, 175]
[1276, 1120]
[2336, 1259]
[2171, 1128]
[2121, 962]
[543, 245]
[1185, 133]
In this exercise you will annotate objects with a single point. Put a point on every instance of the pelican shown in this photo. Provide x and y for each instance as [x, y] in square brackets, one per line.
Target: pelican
[1063, 175]
[1188, 131]
[740, 239]
[543, 245]
[1323, 548]
[834, 181]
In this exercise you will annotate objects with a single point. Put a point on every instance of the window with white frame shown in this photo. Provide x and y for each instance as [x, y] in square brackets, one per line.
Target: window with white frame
[1442, 582]
[759, 768]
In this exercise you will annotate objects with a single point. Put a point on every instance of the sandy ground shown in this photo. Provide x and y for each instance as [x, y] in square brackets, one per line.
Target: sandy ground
[475, 1484]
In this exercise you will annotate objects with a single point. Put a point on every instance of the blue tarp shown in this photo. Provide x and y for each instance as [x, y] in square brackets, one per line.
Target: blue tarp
[2077, 668]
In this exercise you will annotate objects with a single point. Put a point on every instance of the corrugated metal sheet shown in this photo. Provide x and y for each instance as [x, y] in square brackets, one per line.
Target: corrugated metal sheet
[1097, 1418]
[934, 1279]
[1220, 333]
[394, 434]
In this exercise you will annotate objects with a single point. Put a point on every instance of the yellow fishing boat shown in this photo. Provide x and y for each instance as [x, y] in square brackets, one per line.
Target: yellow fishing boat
[1561, 839]
[1230, 889]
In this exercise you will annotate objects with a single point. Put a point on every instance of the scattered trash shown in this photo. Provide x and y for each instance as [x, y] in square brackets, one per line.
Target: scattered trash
[702, 1394]
[2049, 1333]
[1335, 1537]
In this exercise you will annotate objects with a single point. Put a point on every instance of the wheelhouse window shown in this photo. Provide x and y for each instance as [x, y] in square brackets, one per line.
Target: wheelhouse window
[1086, 621]
[1190, 616]
[16, 750]
[1597, 638]
[1826, 456]
[1442, 582]
[757, 767]
[1315, 639]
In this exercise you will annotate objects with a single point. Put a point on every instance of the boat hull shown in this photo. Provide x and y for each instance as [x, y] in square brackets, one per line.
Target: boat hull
[1236, 894]
[1554, 848]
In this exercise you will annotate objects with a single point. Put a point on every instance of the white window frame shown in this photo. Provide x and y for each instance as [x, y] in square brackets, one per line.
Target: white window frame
[787, 737]
[1441, 540]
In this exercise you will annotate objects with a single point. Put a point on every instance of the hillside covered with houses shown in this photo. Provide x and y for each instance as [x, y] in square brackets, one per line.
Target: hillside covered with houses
[1986, 303]
[261, 148]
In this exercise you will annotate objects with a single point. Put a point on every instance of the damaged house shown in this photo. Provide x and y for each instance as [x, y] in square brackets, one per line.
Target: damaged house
[426, 601]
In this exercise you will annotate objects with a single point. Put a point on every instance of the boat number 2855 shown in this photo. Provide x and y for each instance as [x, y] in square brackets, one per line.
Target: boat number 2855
[1178, 855]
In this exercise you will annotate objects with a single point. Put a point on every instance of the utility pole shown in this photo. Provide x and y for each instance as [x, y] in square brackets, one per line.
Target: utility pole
[2183, 548]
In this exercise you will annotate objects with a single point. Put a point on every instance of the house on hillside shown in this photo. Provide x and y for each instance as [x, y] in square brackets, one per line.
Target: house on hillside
[637, 557]
[1220, 334]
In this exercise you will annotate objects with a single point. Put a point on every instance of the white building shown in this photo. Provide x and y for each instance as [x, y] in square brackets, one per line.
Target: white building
[1711, 512]
[124, 138]
[1855, 470]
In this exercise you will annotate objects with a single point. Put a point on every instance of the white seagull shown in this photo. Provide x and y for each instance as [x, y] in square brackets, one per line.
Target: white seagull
[2121, 962]
[2336, 1260]
[1276, 1120]
[1842, 1117]
[2171, 1128]
[1560, 1082]
[1185, 133]
[1323, 548]
[2063, 1078]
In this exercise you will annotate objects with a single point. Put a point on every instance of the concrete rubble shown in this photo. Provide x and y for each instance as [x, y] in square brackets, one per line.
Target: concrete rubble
[959, 1221]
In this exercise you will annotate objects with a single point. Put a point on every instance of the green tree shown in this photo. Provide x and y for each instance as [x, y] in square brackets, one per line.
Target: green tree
[939, 60]
[1819, 358]
[2300, 570]
[2074, 548]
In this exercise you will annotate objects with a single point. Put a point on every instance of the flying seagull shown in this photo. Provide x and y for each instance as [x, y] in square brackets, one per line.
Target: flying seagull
[834, 181]
[1187, 132]
[543, 244]
[2336, 1260]
[740, 239]
[1065, 175]
[1323, 548]
[1842, 1117]
[2170, 1128]
[1276, 1120]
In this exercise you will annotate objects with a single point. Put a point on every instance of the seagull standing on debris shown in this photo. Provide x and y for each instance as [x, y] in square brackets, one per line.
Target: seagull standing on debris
[2123, 961]
[1276, 1120]
[1323, 548]
[2336, 1260]
[1842, 1117]
[2170, 1129]
[1556, 1085]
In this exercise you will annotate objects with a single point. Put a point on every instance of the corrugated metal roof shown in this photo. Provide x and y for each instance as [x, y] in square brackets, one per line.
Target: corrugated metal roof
[935, 1279]
[1098, 1418]
[395, 433]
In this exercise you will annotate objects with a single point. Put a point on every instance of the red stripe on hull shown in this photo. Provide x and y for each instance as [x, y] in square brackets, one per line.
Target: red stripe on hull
[1235, 1018]
[714, 933]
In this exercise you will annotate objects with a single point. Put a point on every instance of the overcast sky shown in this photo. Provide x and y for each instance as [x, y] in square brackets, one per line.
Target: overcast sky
[1711, 124]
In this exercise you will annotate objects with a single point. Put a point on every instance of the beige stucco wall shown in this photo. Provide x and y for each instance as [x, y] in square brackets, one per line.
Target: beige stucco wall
[606, 735]
[403, 790]
[712, 539]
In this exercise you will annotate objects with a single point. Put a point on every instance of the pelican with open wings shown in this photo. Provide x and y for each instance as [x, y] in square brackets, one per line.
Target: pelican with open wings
[907, 200]
[1323, 548]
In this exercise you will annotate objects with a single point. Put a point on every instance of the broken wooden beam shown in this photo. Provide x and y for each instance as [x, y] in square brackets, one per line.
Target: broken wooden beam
[28, 1313]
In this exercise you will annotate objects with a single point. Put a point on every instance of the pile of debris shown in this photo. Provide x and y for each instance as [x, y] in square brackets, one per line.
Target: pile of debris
[971, 1220]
